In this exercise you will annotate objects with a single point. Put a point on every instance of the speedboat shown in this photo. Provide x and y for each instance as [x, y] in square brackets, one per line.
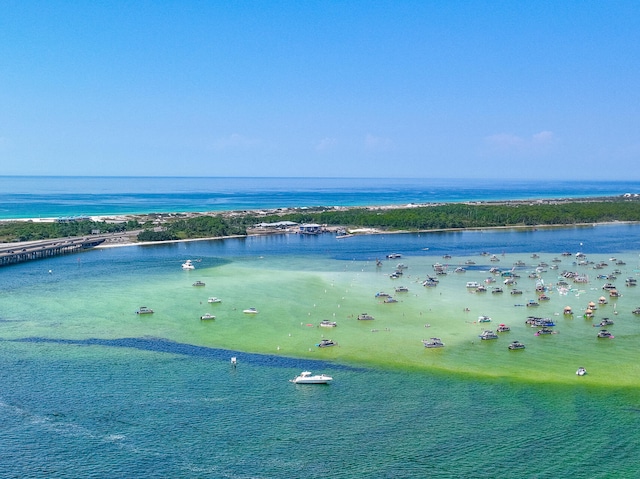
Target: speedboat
[306, 377]
[581, 371]
[503, 328]
[326, 343]
[604, 322]
[484, 319]
[402, 289]
[516, 345]
[365, 317]
[250, 311]
[433, 343]
[325, 323]
[603, 333]
[389, 299]
[213, 299]
[487, 334]
[188, 265]
[381, 294]
[144, 310]
[207, 316]
[394, 256]
[199, 283]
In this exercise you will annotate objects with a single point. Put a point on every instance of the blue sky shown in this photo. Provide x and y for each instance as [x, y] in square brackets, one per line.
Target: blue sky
[439, 89]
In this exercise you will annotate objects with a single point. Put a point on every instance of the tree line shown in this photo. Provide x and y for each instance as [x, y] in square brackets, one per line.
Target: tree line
[459, 215]
[445, 216]
[13, 231]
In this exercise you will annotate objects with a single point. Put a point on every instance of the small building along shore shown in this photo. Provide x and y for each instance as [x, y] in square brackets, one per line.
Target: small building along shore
[277, 227]
[311, 229]
[288, 227]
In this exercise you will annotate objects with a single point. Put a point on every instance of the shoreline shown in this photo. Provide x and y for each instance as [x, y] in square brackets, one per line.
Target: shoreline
[127, 238]
[373, 231]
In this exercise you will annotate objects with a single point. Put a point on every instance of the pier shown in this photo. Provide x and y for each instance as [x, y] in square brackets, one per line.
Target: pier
[20, 252]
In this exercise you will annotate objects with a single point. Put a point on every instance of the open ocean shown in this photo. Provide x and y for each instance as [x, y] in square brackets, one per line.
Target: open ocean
[89, 389]
[47, 197]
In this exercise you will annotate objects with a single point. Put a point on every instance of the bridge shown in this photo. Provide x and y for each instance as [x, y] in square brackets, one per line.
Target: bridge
[19, 252]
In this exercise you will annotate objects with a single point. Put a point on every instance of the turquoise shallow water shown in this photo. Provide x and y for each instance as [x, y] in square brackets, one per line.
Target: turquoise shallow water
[46, 197]
[90, 389]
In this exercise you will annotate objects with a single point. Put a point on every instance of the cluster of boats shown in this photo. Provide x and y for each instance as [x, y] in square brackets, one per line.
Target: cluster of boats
[544, 324]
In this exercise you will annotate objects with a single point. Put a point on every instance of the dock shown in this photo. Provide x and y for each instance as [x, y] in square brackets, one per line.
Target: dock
[14, 253]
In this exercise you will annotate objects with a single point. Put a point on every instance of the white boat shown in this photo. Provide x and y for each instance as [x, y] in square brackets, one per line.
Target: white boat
[250, 311]
[207, 316]
[144, 310]
[487, 335]
[306, 377]
[188, 265]
[199, 283]
[325, 323]
[581, 371]
[433, 343]
[213, 299]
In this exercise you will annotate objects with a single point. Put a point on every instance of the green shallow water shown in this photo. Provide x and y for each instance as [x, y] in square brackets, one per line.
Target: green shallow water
[293, 294]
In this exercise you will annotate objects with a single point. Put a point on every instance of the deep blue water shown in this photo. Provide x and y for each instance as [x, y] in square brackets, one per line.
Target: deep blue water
[46, 197]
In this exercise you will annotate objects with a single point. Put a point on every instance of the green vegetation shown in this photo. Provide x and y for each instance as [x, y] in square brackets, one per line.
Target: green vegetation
[472, 216]
[456, 215]
[204, 227]
[13, 231]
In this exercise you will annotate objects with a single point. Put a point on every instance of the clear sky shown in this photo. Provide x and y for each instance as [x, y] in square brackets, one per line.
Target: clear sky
[442, 89]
